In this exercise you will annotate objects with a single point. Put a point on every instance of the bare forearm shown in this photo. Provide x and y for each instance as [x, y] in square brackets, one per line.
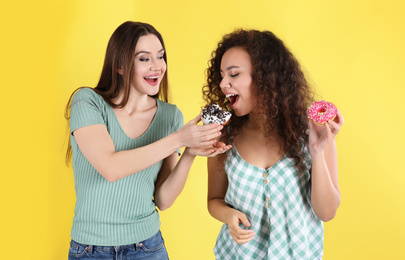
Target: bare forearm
[97, 146]
[219, 209]
[170, 189]
[117, 165]
[325, 196]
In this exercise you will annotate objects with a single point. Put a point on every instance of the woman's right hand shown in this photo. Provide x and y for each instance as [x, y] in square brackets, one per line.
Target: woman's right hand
[214, 150]
[202, 136]
[240, 235]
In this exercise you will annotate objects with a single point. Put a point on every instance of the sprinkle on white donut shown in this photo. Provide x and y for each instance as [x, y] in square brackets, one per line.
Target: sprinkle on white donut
[214, 114]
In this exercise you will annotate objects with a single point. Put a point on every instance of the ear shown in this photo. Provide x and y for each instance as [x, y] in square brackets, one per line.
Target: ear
[120, 71]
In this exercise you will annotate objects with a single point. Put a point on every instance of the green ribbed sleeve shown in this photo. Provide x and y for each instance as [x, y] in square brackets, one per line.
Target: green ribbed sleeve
[122, 212]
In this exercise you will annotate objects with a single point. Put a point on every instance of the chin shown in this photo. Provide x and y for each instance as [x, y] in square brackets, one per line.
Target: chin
[153, 92]
[239, 114]
[243, 111]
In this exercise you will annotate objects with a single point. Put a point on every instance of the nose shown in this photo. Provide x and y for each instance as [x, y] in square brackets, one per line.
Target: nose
[158, 65]
[224, 83]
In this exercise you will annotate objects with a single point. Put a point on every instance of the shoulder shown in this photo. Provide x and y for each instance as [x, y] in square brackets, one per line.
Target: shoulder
[87, 108]
[169, 109]
[88, 95]
[170, 114]
[85, 93]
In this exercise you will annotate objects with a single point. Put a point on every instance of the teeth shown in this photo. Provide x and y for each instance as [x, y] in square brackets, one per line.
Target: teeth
[231, 95]
[154, 77]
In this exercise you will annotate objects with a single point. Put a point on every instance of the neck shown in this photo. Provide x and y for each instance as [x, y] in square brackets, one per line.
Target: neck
[136, 103]
[256, 125]
[255, 122]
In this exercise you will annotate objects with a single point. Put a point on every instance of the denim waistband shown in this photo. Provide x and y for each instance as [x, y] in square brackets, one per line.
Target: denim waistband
[91, 248]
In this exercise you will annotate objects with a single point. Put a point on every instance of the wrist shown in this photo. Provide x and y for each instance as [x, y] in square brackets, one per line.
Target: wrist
[315, 156]
[175, 136]
[187, 152]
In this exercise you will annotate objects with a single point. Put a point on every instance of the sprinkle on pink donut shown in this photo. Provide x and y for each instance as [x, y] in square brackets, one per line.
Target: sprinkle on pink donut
[321, 111]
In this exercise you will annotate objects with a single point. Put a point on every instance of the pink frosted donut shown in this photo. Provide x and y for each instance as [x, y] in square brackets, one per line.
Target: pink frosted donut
[321, 111]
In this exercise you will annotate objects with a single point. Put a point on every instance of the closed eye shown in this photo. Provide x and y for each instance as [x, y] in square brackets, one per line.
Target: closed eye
[234, 75]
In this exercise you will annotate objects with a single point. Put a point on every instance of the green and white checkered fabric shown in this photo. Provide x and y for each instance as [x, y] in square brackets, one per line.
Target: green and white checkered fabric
[277, 204]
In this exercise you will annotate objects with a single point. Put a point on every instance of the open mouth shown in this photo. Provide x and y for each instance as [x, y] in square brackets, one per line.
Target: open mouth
[151, 80]
[232, 98]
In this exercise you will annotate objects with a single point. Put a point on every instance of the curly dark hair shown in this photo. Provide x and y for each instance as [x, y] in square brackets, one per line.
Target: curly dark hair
[281, 90]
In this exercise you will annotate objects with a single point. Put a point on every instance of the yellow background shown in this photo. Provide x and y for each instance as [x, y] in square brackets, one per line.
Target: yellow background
[352, 52]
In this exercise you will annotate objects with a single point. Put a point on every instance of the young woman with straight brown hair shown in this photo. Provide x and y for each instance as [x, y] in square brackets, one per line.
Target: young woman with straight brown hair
[125, 143]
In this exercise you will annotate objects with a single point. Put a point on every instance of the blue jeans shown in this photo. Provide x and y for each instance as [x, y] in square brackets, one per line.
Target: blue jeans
[151, 249]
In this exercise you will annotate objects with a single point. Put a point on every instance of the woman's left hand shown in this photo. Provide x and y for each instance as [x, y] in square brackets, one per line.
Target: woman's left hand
[321, 135]
[217, 148]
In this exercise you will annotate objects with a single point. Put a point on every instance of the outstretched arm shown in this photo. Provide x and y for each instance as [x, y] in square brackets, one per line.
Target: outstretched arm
[173, 175]
[97, 146]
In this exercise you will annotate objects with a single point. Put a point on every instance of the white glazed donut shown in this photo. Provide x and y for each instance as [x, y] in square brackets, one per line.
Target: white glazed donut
[214, 114]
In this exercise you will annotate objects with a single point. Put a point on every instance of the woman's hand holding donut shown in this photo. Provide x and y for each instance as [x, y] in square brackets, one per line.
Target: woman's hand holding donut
[199, 136]
[240, 235]
[321, 135]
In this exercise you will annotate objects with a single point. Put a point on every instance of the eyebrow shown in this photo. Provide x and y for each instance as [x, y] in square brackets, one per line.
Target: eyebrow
[230, 67]
[148, 52]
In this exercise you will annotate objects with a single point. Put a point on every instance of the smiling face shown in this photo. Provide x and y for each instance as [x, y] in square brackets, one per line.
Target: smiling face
[149, 65]
[237, 84]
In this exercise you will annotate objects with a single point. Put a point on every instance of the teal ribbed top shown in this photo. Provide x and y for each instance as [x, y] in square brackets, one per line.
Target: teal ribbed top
[122, 212]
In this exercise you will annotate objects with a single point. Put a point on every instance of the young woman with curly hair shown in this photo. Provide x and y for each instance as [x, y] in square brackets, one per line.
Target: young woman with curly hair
[279, 182]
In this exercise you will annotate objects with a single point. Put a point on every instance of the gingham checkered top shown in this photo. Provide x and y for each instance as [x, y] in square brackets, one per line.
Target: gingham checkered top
[277, 204]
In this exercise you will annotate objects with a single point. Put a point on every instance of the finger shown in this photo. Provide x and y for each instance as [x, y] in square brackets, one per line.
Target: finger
[244, 220]
[312, 124]
[329, 134]
[223, 149]
[210, 128]
[242, 241]
[210, 146]
[241, 233]
[335, 126]
[242, 238]
[214, 153]
[226, 148]
[313, 128]
[204, 152]
[220, 145]
[200, 135]
[195, 120]
[340, 117]
[219, 151]
[205, 144]
[212, 136]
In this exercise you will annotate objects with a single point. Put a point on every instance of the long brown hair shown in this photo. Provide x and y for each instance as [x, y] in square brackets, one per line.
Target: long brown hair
[120, 55]
[281, 89]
